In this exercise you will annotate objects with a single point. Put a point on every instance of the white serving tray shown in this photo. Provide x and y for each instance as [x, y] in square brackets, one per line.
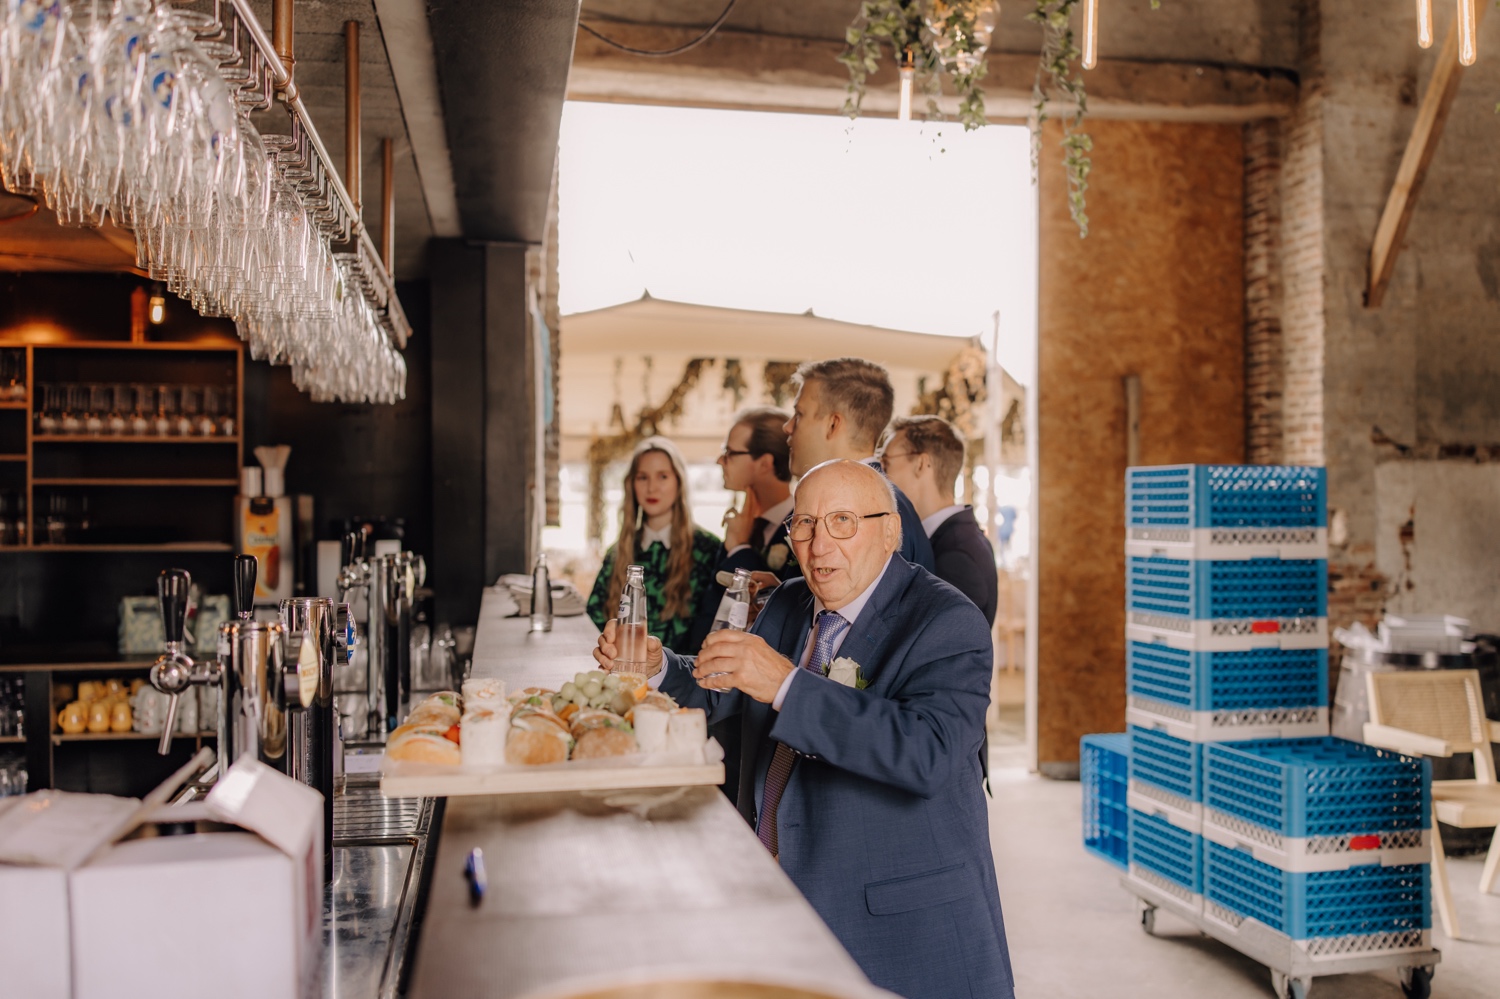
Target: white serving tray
[400, 779]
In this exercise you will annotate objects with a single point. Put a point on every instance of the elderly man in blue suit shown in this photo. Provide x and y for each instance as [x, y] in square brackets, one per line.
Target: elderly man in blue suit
[862, 692]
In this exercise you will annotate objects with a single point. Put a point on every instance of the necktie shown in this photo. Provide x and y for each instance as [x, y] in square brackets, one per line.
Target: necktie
[758, 533]
[830, 626]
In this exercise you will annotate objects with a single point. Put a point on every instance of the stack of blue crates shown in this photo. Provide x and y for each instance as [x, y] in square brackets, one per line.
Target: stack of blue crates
[1241, 804]
[1226, 584]
[1103, 770]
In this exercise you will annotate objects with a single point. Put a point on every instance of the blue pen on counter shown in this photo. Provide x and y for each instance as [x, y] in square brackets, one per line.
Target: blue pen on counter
[474, 873]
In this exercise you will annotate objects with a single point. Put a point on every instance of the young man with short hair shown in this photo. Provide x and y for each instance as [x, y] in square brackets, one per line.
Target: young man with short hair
[841, 409]
[923, 456]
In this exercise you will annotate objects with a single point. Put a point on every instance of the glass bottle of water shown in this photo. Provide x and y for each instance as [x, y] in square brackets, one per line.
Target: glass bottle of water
[630, 639]
[734, 609]
[541, 595]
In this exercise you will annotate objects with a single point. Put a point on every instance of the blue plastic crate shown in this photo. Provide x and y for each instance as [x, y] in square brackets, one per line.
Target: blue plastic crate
[1250, 589]
[1104, 772]
[1190, 496]
[1167, 851]
[1317, 787]
[1167, 762]
[1357, 901]
[1227, 681]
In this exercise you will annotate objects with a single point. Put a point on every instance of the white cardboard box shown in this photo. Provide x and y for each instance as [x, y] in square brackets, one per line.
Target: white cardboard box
[229, 913]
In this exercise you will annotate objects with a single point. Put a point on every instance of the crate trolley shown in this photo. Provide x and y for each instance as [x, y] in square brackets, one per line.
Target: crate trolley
[1304, 852]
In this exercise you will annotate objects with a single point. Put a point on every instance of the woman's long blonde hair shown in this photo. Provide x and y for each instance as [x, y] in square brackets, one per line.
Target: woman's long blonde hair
[677, 596]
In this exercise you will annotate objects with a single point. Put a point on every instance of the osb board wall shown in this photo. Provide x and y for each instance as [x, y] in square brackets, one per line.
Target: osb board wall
[1156, 290]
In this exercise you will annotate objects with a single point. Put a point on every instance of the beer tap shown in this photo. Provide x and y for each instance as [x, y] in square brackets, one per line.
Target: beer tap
[174, 670]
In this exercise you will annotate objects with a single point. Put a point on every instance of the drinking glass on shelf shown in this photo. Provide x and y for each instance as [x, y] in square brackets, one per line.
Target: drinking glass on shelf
[97, 409]
[117, 423]
[227, 425]
[142, 410]
[7, 522]
[49, 416]
[12, 375]
[57, 519]
[213, 408]
[74, 401]
[189, 410]
[165, 420]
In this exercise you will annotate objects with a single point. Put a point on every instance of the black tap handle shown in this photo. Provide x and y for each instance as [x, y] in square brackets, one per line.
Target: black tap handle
[172, 590]
[245, 569]
[348, 547]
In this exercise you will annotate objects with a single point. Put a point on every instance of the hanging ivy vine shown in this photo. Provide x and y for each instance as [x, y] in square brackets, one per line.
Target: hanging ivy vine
[1056, 71]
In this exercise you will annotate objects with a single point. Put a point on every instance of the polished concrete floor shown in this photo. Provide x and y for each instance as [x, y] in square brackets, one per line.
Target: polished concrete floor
[1074, 932]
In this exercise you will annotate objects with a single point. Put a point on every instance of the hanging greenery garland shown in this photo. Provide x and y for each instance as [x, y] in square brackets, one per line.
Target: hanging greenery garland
[937, 38]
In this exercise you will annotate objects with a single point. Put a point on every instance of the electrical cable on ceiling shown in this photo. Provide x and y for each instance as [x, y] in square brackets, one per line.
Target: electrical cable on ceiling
[657, 54]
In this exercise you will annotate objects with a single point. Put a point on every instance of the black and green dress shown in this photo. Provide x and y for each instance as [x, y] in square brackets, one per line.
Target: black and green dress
[675, 633]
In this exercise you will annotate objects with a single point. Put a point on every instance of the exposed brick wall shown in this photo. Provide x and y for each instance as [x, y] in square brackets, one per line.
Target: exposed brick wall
[1303, 273]
[1264, 374]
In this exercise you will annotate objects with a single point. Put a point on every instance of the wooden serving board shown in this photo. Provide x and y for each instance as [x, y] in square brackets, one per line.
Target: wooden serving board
[408, 780]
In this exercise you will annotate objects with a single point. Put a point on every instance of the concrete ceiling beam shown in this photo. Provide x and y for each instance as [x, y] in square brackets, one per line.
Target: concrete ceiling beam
[747, 70]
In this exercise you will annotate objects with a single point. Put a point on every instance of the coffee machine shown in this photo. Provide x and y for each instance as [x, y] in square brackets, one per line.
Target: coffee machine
[389, 584]
[275, 682]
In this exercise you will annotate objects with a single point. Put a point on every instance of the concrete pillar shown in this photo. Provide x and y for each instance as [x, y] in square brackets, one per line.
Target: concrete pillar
[485, 419]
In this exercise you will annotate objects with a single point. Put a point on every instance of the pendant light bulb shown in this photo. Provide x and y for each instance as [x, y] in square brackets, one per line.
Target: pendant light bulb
[908, 81]
[156, 310]
[1424, 23]
[1090, 33]
[1468, 33]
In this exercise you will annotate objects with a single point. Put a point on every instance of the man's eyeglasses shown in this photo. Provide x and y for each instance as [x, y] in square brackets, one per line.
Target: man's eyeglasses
[725, 453]
[841, 525]
[885, 459]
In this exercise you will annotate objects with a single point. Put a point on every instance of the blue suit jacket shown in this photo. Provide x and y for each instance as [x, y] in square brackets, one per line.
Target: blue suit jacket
[883, 824]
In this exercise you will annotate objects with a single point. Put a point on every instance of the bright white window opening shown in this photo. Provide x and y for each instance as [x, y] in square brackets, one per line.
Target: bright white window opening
[904, 225]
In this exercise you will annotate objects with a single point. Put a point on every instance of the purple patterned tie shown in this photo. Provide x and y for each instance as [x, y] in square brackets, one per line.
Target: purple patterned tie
[830, 626]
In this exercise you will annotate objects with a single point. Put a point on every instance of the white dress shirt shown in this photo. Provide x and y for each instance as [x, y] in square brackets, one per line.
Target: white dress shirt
[932, 523]
[849, 612]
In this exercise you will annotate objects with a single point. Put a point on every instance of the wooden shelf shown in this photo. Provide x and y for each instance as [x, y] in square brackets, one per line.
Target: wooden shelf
[58, 738]
[127, 439]
[215, 483]
[12, 740]
[224, 345]
[12, 404]
[12, 457]
[173, 546]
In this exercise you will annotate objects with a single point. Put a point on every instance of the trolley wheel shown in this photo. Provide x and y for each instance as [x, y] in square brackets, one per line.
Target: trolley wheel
[1148, 918]
[1289, 988]
[1416, 983]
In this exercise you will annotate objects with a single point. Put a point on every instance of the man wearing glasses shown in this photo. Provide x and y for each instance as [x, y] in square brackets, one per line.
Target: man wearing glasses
[757, 462]
[861, 692]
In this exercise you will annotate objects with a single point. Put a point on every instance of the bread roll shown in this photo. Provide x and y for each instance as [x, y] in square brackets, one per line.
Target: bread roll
[606, 740]
[424, 747]
[435, 728]
[536, 737]
[483, 694]
[433, 713]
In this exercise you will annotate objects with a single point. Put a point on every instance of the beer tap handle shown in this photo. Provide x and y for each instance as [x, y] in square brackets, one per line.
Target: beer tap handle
[245, 570]
[348, 548]
[172, 588]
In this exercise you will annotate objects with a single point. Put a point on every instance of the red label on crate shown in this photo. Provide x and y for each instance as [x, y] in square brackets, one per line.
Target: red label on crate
[1371, 842]
[1265, 627]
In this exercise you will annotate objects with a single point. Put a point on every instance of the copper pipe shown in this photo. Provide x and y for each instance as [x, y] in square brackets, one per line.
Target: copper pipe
[352, 162]
[388, 205]
[281, 38]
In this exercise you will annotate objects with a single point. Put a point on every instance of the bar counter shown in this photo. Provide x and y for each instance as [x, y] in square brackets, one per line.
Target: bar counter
[591, 893]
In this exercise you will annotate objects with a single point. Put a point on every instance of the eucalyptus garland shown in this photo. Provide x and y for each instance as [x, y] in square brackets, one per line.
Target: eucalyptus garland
[1059, 53]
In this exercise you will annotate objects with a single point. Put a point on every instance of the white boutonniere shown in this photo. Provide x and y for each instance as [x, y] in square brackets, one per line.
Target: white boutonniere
[777, 556]
[847, 672]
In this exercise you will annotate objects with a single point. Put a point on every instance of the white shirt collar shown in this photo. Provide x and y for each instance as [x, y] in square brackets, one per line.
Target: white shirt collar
[664, 536]
[775, 516]
[932, 523]
[850, 611]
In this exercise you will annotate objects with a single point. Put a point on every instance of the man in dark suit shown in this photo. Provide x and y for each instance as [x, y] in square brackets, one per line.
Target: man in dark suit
[923, 456]
[861, 691]
[841, 409]
[757, 461]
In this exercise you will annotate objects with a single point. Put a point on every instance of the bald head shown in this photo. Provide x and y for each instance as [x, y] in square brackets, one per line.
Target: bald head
[839, 569]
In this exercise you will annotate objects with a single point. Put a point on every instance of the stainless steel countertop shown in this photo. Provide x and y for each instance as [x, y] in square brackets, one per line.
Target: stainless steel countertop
[382, 848]
[588, 890]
